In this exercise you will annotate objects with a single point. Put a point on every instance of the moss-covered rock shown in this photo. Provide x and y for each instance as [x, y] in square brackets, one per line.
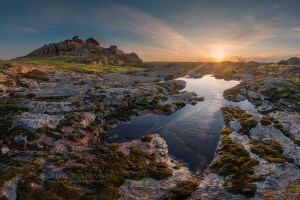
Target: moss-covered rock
[249, 123]
[235, 163]
[113, 168]
[246, 120]
[182, 190]
[146, 138]
[37, 75]
[226, 130]
[270, 150]
[233, 112]
[266, 121]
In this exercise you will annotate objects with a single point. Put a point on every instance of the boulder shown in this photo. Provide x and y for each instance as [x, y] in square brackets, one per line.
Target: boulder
[173, 85]
[91, 43]
[31, 122]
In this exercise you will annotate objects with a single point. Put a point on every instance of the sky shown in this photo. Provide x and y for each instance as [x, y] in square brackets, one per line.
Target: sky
[157, 30]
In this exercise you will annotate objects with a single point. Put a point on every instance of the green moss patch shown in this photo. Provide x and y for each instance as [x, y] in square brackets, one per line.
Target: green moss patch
[53, 189]
[116, 167]
[37, 75]
[249, 123]
[182, 190]
[9, 173]
[266, 120]
[64, 190]
[8, 112]
[226, 130]
[270, 150]
[69, 120]
[278, 126]
[101, 177]
[147, 138]
[236, 164]
[231, 113]
[177, 166]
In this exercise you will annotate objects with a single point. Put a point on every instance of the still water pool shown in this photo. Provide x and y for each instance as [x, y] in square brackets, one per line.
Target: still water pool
[192, 133]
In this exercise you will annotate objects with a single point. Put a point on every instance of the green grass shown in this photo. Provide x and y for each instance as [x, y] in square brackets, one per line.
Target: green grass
[71, 64]
[270, 68]
[228, 72]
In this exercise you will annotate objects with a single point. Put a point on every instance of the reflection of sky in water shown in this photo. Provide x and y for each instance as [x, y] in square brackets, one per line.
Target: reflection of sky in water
[217, 94]
[192, 133]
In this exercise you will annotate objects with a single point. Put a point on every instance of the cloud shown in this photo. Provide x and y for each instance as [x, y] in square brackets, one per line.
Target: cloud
[155, 38]
[296, 29]
[116, 18]
[159, 36]
[25, 29]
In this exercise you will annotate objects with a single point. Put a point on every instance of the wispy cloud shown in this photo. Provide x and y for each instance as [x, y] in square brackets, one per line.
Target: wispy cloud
[296, 29]
[156, 35]
[25, 29]
[189, 35]
[160, 36]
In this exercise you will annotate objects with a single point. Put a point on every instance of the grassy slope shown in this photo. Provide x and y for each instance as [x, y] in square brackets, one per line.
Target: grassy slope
[69, 64]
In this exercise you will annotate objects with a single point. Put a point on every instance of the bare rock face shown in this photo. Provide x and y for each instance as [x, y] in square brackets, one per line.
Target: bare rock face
[31, 122]
[90, 49]
[91, 43]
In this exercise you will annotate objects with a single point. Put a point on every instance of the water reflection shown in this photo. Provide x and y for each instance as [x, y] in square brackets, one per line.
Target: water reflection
[193, 132]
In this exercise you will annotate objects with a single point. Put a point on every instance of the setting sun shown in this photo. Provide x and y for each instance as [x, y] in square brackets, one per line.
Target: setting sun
[218, 54]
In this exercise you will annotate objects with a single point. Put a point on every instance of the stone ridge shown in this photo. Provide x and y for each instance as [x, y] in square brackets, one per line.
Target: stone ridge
[90, 50]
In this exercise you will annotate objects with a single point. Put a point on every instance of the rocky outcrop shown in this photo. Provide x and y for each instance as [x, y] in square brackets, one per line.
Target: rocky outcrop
[31, 122]
[90, 51]
[72, 111]
[267, 94]
[44, 102]
[291, 61]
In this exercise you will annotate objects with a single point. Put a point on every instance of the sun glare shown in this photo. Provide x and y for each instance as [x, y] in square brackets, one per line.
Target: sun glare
[218, 54]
